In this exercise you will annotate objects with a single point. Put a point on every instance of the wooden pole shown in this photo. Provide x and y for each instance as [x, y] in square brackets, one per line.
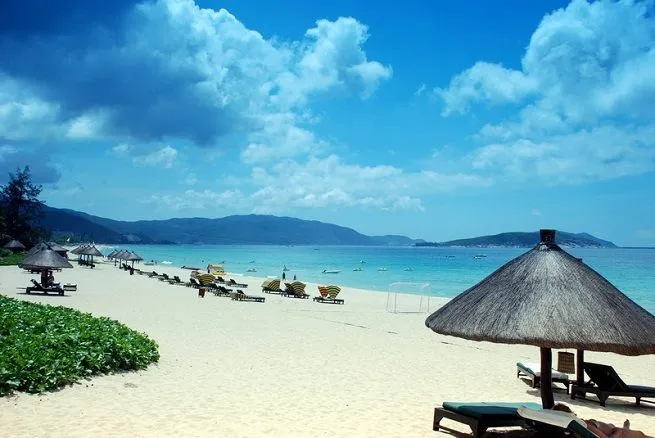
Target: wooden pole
[546, 383]
[579, 368]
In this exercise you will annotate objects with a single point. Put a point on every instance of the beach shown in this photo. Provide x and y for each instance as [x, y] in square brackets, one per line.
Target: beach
[286, 367]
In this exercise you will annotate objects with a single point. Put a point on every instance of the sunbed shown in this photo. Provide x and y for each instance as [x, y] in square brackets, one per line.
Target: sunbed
[231, 282]
[563, 420]
[328, 294]
[295, 290]
[605, 382]
[271, 286]
[194, 283]
[533, 371]
[176, 280]
[240, 295]
[481, 416]
[218, 290]
[38, 287]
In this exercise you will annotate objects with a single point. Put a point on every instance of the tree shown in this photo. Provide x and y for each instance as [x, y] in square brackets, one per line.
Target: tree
[21, 208]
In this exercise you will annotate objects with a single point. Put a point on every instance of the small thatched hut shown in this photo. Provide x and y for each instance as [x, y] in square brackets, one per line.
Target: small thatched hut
[14, 246]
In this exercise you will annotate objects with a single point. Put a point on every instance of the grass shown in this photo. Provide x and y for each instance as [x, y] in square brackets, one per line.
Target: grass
[11, 259]
[43, 347]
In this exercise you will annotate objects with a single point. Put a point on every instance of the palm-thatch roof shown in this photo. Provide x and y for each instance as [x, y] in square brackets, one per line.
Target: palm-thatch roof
[14, 244]
[90, 251]
[112, 254]
[548, 298]
[36, 248]
[79, 248]
[122, 255]
[45, 259]
[56, 247]
[133, 257]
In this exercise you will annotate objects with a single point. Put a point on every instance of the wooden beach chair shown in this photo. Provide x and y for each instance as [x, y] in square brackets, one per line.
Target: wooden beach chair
[481, 416]
[272, 286]
[194, 283]
[176, 281]
[295, 290]
[560, 419]
[231, 282]
[533, 372]
[38, 287]
[217, 290]
[605, 382]
[240, 295]
[329, 295]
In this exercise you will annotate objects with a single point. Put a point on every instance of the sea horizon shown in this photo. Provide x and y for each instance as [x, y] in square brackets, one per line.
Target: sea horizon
[447, 271]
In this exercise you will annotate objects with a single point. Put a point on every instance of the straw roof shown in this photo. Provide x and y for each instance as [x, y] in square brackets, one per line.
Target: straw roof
[550, 299]
[36, 248]
[79, 248]
[112, 254]
[90, 251]
[14, 244]
[47, 259]
[56, 247]
[133, 257]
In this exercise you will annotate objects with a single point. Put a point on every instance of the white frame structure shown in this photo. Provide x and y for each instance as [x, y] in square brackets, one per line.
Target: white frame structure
[420, 290]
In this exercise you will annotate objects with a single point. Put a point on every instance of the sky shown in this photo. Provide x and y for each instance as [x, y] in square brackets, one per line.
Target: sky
[435, 120]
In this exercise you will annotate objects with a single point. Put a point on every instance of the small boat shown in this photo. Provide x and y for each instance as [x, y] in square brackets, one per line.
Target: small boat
[190, 267]
[362, 261]
[382, 269]
[331, 271]
[358, 269]
[252, 270]
[251, 261]
[479, 256]
[450, 256]
[408, 269]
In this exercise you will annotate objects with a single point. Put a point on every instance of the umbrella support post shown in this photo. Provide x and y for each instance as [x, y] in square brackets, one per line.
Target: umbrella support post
[547, 399]
[579, 368]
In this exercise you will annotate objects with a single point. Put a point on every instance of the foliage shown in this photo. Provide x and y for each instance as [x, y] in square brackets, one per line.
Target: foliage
[7, 258]
[20, 208]
[44, 347]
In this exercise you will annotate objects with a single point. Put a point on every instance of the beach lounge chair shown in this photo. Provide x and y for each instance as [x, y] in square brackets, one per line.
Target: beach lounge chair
[563, 420]
[231, 282]
[271, 286]
[481, 416]
[605, 382]
[194, 283]
[240, 295]
[217, 290]
[205, 279]
[329, 295]
[164, 277]
[295, 290]
[533, 372]
[38, 287]
[220, 279]
[176, 280]
[153, 274]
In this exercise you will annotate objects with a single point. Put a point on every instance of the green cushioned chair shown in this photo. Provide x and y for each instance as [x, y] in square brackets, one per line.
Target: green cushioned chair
[481, 416]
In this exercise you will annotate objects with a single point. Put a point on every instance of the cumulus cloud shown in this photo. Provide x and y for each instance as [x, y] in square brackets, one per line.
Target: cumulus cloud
[39, 161]
[171, 69]
[583, 97]
[164, 156]
[197, 200]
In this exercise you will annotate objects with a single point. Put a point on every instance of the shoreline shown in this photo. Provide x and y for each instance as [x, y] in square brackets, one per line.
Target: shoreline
[285, 367]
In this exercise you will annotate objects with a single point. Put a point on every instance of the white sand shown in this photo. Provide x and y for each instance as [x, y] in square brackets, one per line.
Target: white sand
[286, 367]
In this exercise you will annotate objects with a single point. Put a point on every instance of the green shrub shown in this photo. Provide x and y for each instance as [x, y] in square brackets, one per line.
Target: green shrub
[11, 259]
[45, 347]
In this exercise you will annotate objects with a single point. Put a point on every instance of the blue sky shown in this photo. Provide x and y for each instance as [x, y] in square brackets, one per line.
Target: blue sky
[436, 120]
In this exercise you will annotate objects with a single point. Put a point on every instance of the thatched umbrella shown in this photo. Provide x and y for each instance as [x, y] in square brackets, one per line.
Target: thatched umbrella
[79, 248]
[90, 251]
[550, 299]
[36, 248]
[57, 248]
[15, 245]
[133, 257]
[112, 254]
[45, 259]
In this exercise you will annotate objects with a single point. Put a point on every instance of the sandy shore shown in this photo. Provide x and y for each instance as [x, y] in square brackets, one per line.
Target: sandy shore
[286, 367]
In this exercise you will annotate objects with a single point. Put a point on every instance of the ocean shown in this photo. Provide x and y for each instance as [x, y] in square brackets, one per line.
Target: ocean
[442, 272]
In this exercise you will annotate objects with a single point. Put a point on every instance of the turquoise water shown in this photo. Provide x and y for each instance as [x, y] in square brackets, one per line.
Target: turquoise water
[449, 271]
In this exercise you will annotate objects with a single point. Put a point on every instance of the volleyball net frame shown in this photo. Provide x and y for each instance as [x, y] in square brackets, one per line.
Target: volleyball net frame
[408, 297]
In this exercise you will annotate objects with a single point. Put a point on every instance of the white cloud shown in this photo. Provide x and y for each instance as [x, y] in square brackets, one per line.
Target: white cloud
[164, 156]
[191, 179]
[197, 200]
[584, 97]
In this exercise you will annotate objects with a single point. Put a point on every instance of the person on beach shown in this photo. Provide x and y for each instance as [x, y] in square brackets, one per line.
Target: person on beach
[294, 277]
[284, 275]
[605, 430]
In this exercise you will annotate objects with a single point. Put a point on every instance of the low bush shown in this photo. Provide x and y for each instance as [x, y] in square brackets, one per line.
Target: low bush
[45, 347]
[9, 259]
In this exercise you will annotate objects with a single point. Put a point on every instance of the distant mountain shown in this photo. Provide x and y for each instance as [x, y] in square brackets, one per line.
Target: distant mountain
[240, 229]
[67, 223]
[522, 240]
